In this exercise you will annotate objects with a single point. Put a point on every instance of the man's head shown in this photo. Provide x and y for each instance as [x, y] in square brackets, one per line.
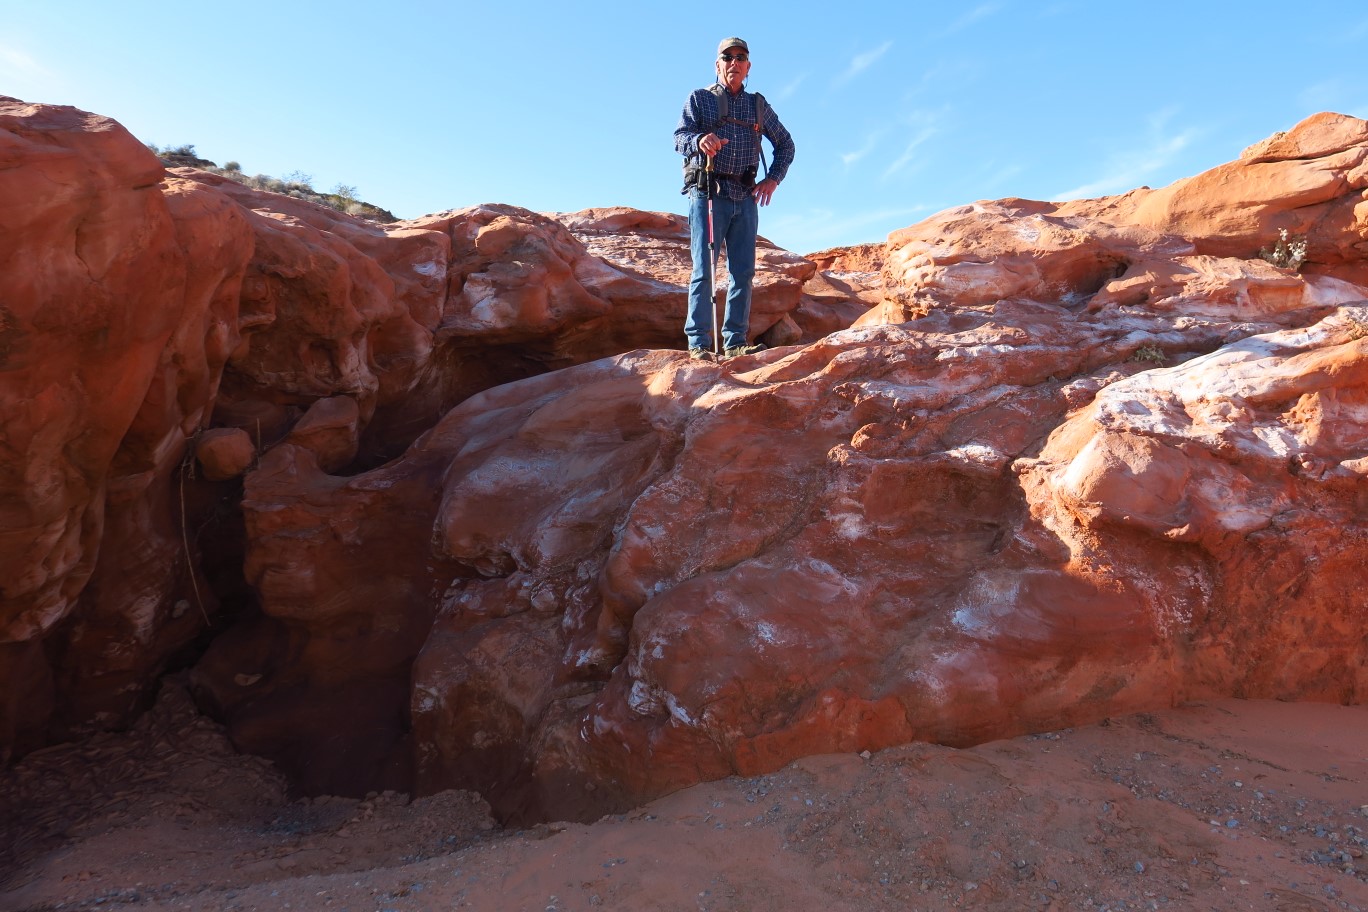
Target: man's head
[733, 63]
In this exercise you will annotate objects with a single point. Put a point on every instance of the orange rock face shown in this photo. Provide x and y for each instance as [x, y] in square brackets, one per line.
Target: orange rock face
[1075, 460]
[142, 307]
[114, 337]
[645, 572]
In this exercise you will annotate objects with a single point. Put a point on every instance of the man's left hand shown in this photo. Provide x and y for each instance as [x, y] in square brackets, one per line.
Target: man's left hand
[764, 191]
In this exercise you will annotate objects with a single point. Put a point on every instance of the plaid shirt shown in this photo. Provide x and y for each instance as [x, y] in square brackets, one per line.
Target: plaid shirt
[742, 151]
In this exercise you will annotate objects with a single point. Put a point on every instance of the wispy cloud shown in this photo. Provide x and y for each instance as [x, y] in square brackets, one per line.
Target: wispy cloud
[16, 62]
[1000, 176]
[909, 152]
[1351, 35]
[791, 89]
[818, 229]
[980, 12]
[872, 140]
[1333, 95]
[861, 62]
[1130, 169]
[922, 124]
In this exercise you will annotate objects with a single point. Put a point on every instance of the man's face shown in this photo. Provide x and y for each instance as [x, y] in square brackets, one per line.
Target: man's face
[732, 67]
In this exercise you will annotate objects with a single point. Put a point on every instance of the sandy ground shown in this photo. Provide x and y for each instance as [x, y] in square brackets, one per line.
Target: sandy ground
[1226, 805]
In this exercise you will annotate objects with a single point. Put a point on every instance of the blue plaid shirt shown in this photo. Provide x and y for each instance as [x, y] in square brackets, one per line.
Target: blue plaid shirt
[742, 151]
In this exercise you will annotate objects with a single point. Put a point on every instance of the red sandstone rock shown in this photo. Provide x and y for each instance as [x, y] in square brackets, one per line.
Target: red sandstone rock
[655, 247]
[588, 587]
[120, 307]
[225, 453]
[329, 430]
[1308, 182]
[331, 306]
[996, 518]
[835, 300]
[777, 561]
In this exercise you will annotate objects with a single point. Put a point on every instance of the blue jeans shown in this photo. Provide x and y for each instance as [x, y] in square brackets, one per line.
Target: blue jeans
[735, 223]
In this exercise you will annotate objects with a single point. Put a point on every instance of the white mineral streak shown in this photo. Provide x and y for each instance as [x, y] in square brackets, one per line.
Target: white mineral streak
[430, 268]
[988, 596]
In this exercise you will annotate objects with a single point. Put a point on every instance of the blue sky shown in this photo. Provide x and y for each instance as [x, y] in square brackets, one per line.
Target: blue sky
[898, 110]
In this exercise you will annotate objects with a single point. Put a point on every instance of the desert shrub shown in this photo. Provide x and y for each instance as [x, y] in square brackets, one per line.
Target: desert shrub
[298, 180]
[296, 184]
[1152, 353]
[1288, 253]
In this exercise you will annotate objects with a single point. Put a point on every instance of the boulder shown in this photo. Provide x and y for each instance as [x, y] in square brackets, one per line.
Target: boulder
[225, 453]
[1306, 185]
[120, 295]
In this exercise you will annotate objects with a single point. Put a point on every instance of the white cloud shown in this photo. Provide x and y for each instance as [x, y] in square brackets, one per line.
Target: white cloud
[872, 140]
[862, 62]
[1001, 175]
[20, 63]
[818, 229]
[1331, 95]
[982, 11]
[1351, 35]
[791, 89]
[1127, 170]
[909, 151]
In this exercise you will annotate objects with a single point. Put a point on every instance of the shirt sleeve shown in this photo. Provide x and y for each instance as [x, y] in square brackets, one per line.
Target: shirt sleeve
[691, 121]
[783, 146]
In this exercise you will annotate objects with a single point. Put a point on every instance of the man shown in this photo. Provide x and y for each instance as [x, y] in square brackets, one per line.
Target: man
[734, 145]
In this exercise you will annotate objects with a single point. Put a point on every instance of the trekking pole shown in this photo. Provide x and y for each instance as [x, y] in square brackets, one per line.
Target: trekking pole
[712, 263]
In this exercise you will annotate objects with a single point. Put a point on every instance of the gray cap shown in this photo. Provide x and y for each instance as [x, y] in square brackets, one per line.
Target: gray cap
[728, 43]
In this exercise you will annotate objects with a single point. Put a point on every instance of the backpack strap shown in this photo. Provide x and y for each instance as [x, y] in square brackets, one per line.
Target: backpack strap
[761, 106]
[719, 92]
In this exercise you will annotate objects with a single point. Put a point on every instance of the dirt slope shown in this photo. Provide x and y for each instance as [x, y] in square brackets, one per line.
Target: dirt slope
[1224, 806]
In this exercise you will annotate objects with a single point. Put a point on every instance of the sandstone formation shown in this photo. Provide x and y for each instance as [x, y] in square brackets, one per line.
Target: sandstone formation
[1072, 464]
[119, 310]
[1072, 460]
[142, 306]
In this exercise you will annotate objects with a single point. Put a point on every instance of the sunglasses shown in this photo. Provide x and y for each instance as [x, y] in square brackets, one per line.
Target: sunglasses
[733, 57]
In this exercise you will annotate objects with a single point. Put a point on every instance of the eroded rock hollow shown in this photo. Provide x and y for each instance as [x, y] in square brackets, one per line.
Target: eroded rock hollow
[441, 504]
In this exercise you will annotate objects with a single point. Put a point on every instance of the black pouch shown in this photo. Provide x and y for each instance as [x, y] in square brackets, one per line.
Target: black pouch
[695, 176]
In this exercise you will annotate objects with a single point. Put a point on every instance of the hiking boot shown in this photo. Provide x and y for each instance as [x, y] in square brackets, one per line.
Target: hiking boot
[737, 350]
[701, 354]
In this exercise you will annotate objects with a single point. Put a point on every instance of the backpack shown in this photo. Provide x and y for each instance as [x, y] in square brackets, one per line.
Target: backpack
[695, 174]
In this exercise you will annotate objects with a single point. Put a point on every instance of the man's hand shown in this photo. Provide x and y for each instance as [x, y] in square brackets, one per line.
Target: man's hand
[764, 191]
[711, 144]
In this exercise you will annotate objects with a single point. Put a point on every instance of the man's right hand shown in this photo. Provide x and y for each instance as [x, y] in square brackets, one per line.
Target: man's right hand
[711, 144]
